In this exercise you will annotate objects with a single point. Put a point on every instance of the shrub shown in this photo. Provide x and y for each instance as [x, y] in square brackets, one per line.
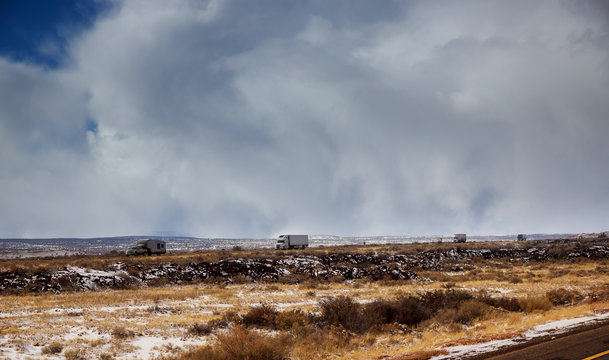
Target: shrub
[350, 315]
[75, 354]
[444, 316]
[200, 329]
[309, 285]
[241, 279]
[321, 343]
[405, 310]
[449, 285]
[506, 303]
[52, 349]
[563, 296]
[261, 315]
[287, 320]
[438, 299]
[471, 310]
[120, 332]
[599, 293]
[556, 273]
[230, 316]
[515, 280]
[240, 344]
[533, 303]
[411, 311]
[465, 313]
[272, 287]
[560, 251]
[379, 312]
[341, 311]
[449, 306]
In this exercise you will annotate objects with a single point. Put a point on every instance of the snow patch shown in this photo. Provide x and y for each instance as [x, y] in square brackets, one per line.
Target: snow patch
[549, 328]
[148, 346]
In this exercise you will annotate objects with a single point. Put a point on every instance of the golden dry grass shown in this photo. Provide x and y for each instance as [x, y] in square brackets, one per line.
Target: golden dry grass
[30, 323]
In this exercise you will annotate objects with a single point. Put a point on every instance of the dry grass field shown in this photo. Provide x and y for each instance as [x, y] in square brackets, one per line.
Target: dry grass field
[467, 300]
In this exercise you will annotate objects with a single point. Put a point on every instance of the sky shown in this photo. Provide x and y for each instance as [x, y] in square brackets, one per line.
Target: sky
[236, 118]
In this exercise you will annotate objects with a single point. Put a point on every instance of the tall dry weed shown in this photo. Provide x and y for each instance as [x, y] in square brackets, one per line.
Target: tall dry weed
[531, 304]
[241, 344]
[562, 296]
[262, 316]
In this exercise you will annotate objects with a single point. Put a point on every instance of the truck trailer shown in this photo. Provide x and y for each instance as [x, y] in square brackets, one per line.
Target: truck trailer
[285, 242]
[460, 238]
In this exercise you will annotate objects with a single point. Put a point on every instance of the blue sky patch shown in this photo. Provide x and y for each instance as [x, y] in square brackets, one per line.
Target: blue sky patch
[38, 31]
[92, 126]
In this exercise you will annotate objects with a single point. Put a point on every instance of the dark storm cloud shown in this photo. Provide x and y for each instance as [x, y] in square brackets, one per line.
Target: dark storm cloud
[229, 118]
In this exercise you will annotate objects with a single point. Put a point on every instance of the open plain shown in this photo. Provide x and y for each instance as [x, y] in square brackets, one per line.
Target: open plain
[410, 301]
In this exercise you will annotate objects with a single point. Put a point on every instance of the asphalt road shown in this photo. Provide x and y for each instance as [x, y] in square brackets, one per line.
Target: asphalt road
[588, 345]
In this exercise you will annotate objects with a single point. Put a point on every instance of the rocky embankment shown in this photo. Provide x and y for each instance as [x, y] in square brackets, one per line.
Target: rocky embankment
[292, 268]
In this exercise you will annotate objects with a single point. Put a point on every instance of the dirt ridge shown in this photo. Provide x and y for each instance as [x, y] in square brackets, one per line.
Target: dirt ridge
[287, 268]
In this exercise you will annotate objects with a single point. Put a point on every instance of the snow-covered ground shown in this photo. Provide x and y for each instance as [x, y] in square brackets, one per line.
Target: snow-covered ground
[161, 327]
[131, 328]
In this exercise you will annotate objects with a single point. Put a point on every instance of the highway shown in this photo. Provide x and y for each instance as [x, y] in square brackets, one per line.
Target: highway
[586, 345]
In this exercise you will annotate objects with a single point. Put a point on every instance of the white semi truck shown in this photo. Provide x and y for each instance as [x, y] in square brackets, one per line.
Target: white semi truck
[285, 242]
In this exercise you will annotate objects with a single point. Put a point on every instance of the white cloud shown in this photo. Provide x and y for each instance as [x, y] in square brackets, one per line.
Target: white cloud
[217, 119]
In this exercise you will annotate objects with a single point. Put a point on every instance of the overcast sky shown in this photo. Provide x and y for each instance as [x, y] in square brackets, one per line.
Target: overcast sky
[254, 118]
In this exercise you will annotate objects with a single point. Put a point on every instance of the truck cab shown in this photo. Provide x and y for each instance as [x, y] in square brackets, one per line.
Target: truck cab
[136, 251]
[280, 244]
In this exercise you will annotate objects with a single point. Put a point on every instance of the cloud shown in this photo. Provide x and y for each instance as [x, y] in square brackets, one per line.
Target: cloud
[223, 119]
